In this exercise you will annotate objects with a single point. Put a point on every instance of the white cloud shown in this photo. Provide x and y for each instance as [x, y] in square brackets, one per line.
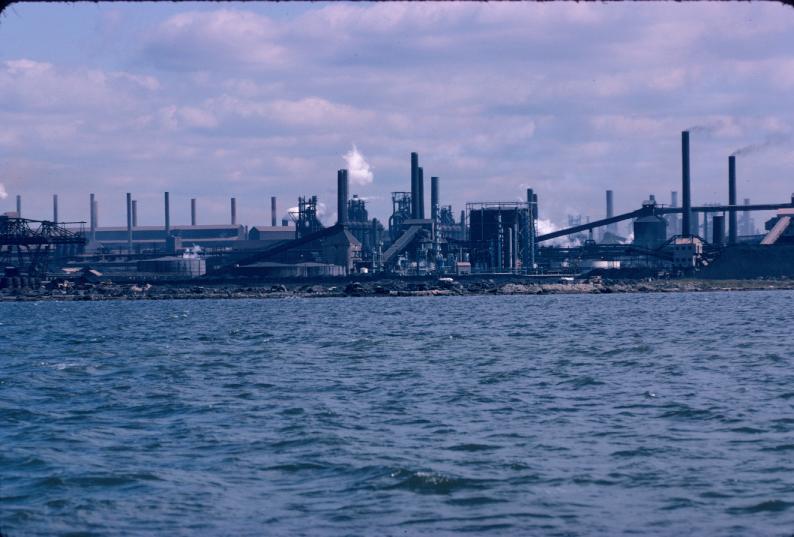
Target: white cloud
[3, 193]
[358, 168]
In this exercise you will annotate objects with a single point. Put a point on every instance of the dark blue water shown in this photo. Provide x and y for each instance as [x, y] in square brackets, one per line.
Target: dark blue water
[663, 414]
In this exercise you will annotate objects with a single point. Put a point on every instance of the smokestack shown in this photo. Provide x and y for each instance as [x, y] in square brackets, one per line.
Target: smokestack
[434, 198]
[273, 211]
[167, 205]
[535, 205]
[129, 222]
[610, 205]
[92, 217]
[234, 211]
[96, 214]
[19, 206]
[732, 230]
[420, 183]
[686, 222]
[134, 213]
[55, 208]
[341, 197]
[414, 185]
[192, 211]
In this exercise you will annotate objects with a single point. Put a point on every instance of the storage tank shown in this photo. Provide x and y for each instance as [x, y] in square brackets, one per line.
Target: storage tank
[650, 232]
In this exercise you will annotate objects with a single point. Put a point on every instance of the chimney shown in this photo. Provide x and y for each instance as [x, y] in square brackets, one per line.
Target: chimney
[273, 211]
[234, 211]
[92, 217]
[55, 208]
[341, 197]
[420, 184]
[732, 229]
[129, 222]
[19, 206]
[686, 222]
[434, 198]
[535, 206]
[134, 213]
[96, 214]
[414, 185]
[192, 211]
[167, 207]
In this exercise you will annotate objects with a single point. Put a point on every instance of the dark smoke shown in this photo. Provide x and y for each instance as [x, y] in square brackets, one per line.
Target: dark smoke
[770, 142]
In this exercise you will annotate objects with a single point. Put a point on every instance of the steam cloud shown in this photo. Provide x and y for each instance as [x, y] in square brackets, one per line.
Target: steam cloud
[358, 169]
[3, 193]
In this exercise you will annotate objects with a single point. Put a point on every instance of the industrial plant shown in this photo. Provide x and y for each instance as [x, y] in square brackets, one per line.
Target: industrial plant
[484, 237]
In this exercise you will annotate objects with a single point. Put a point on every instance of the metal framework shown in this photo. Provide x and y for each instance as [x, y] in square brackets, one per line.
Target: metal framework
[306, 221]
[27, 244]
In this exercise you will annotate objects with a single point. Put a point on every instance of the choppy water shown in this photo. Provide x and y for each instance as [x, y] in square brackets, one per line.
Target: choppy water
[539, 415]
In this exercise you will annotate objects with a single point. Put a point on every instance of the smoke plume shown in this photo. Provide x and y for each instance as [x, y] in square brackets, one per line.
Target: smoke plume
[770, 142]
[358, 169]
[3, 193]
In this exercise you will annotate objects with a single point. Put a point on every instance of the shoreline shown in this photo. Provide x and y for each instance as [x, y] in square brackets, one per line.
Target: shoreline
[104, 291]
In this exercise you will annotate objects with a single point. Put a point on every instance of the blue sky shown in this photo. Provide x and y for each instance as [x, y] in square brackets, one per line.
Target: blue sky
[212, 100]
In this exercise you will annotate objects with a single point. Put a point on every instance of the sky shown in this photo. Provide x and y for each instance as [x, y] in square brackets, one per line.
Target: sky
[213, 100]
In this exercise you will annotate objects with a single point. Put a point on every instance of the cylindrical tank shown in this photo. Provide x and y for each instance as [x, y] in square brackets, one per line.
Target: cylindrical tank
[650, 232]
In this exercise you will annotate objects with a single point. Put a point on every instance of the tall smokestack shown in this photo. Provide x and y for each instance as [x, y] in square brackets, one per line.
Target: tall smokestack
[92, 217]
[414, 185]
[420, 183]
[732, 230]
[55, 208]
[134, 213]
[96, 214]
[19, 206]
[234, 211]
[192, 211]
[273, 211]
[129, 222]
[167, 207]
[434, 198]
[341, 197]
[686, 221]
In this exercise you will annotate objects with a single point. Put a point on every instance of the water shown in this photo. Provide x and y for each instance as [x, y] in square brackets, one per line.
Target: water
[661, 414]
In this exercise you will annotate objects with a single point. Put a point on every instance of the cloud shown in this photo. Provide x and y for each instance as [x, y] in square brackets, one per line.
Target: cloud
[3, 193]
[358, 168]
[569, 99]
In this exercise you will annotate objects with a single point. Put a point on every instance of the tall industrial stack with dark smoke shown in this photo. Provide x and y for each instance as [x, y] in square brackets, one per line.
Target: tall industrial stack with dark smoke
[686, 219]
[341, 197]
[732, 229]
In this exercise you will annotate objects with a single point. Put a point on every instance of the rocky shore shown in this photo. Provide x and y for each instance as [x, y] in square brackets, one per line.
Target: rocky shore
[109, 290]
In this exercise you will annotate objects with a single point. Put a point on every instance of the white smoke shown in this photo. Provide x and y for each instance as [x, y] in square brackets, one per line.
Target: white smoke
[547, 226]
[3, 193]
[358, 169]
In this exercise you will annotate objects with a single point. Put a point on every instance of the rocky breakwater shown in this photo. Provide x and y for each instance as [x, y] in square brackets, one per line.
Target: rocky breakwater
[106, 290]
